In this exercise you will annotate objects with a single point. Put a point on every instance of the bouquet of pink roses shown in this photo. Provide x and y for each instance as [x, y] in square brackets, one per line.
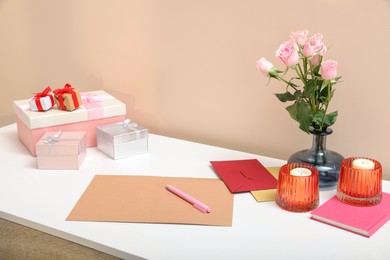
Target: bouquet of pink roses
[311, 89]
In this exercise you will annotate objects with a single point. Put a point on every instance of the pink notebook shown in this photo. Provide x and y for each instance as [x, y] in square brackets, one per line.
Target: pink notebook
[361, 220]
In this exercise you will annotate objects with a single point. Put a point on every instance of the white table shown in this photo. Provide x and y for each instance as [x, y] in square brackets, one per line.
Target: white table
[41, 199]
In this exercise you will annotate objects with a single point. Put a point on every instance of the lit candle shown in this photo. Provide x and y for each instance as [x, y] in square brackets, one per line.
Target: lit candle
[298, 188]
[363, 164]
[360, 181]
[300, 172]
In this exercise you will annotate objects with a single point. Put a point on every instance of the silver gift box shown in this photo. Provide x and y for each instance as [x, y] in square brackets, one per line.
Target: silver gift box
[122, 140]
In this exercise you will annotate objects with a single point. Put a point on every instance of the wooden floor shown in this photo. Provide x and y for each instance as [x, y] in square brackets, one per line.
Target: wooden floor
[18, 242]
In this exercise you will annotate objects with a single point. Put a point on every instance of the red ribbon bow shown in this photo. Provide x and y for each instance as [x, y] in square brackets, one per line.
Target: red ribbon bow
[66, 90]
[43, 93]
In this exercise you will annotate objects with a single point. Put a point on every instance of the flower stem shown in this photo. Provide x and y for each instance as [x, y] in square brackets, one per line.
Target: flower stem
[298, 69]
[329, 85]
[289, 83]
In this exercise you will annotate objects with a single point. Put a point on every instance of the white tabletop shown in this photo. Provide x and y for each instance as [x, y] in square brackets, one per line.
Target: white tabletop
[42, 199]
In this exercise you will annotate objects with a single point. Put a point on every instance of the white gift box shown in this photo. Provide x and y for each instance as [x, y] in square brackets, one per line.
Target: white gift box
[42, 103]
[122, 140]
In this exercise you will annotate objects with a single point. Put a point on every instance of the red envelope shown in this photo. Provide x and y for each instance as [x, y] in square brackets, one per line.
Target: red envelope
[244, 175]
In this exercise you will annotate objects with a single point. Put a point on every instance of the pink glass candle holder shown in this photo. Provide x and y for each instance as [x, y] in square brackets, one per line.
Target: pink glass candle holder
[360, 181]
[298, 187]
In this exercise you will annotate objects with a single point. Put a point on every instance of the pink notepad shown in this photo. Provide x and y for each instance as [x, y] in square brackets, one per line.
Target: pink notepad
[361, 220]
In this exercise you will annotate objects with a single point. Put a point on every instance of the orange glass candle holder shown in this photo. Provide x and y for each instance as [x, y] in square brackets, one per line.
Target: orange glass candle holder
[360, 184]
[298, 192]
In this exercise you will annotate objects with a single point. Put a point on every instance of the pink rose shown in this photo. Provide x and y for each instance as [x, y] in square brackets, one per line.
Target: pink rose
[315, 60]
[264, 66]
[308, 50]
[316, 42]
[288, 53]
[329, 69]
[299, 36]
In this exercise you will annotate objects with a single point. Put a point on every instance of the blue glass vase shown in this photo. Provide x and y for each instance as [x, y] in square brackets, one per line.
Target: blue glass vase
[326, 161]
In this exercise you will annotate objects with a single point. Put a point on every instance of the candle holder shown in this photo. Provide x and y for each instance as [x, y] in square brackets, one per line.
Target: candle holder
[360, 186]
[297, 193]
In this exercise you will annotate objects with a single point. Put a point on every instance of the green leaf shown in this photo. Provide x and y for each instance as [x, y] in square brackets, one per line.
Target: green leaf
[330, 118]
[324, 95]
[317, 118]
[297, 94]
[335, 80]
[309, 88]
[301, 112]
[284, 97]
[293, 110]
[331, 94]
[325, 83]
[304, 116]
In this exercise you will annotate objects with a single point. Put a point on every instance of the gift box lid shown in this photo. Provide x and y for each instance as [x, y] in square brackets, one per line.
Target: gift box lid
[122, 132]
[96, 105]
[61, 143]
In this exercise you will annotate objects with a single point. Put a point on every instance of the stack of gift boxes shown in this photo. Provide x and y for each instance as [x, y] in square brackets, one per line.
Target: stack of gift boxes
[57, 127]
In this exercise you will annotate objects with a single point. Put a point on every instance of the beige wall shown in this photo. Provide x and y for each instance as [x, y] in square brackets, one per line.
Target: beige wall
[187, 68]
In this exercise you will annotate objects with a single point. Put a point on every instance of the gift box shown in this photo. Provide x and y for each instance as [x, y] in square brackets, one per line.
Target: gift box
[122, 140]
[98, 108]
[61, 150]
[68, 98]
[42, 101]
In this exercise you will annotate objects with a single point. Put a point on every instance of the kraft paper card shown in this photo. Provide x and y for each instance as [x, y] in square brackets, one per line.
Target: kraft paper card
[270, 194]
[244, 175]
[117, 198]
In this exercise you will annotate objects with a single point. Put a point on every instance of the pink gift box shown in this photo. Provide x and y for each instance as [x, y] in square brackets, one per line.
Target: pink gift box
[61, 150]
[98, 108]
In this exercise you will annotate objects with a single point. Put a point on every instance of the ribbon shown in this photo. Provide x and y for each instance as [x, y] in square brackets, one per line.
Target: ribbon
[89, 98]
[92, 104]
[131, 125]
[43, 94]
[66, 90]
[52, 138]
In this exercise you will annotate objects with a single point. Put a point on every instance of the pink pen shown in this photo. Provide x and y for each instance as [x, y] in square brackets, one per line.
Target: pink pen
[197, 204]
